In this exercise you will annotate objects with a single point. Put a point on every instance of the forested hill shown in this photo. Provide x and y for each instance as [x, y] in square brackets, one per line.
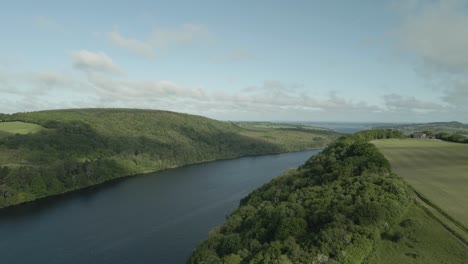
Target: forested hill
[435, 127]
[51, 152]
[333, 209]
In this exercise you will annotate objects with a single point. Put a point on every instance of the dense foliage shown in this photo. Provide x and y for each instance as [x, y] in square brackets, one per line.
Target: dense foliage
[457, 138]
[452, 137]
[333, 209]
[84, 147]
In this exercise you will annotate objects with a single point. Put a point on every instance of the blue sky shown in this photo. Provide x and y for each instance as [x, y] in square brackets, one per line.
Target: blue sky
[402, 60]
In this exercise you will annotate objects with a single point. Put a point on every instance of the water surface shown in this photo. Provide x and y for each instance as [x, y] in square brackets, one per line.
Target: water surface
[155, 218]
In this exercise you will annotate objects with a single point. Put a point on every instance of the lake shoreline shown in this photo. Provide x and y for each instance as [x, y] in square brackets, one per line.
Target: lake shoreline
[159, 218]
[117, 179]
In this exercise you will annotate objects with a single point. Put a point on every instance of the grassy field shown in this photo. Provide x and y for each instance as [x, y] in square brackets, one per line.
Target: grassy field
[438, 170]
[418, 238]
[434, 228]
[12, 128]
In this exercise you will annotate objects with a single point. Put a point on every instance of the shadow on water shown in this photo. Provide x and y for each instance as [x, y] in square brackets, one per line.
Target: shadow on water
[150, 218]
[30, 209]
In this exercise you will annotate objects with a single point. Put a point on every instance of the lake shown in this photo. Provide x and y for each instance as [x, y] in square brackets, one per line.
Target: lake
[154, 218]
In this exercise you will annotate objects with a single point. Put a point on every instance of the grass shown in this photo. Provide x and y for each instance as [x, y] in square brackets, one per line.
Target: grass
[12, 128]
[434, 228]
[418, 238]
[437, 170]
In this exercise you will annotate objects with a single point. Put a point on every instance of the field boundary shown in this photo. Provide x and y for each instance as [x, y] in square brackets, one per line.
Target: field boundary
[453, 226]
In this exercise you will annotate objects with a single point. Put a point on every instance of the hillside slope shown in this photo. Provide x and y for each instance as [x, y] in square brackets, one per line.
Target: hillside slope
[83, 147]
[331, 210]
[436, 170]
[344, 205]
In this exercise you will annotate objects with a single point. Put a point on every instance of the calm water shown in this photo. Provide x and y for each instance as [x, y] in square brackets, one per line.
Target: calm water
[156, 218]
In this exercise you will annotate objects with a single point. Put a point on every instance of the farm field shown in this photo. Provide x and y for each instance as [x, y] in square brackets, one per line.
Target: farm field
[436, 169]
[12, 128]
[412, 241]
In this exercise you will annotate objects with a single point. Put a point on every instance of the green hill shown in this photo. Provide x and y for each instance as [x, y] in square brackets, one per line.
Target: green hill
[437, 170]
[436, 127]
[344, 205]
[12, 128]
[76, 148]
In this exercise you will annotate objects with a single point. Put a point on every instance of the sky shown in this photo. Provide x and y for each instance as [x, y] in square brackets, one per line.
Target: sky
[361, 61]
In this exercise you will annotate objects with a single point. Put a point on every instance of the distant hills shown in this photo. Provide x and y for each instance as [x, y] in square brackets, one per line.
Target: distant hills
[453, 127]
[51, 152]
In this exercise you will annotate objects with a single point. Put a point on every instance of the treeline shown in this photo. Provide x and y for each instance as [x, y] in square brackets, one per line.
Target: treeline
[457, 138]
[435, 127]
[73, 156]
[452, 137]
[27, 183]
[333, 209]
[81, 148]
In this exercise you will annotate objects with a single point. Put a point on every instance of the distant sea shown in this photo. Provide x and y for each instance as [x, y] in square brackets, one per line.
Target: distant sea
[346, 127]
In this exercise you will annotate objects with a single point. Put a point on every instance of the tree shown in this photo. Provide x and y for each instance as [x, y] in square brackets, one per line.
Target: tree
[232, 259]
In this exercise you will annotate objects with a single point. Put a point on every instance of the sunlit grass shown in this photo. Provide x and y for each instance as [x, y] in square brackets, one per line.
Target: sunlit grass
[12, 128]
[436, 169]
[418, 238]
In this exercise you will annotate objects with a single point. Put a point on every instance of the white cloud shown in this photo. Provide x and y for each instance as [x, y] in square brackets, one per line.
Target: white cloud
[138, 91]
[457, 95]
[438, 32]
[273, 86]
[49, 78]
[273, 100]
[160, 39]
[91, 61]
[133, 45]
[398, 103]
[36, 83]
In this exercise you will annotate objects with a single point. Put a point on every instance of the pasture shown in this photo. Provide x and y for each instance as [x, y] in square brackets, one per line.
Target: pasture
[12, 128]
[436, 169]
[418, 239]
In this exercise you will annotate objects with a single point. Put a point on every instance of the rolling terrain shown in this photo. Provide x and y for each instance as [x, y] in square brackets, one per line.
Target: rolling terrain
[52, 152]
[418, 238]
[437, 173]
[437, 170]
[345, 205]
[436, 127]
[332, 209]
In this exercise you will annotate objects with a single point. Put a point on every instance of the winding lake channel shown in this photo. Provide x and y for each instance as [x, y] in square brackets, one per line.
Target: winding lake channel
[153, 218]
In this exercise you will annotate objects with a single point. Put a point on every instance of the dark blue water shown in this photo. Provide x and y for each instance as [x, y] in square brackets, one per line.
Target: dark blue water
[156, 218]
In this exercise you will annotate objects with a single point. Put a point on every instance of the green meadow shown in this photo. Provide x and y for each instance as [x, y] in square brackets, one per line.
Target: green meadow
[12, 128]
[418, 238]
[436, 169]
[434, 229]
